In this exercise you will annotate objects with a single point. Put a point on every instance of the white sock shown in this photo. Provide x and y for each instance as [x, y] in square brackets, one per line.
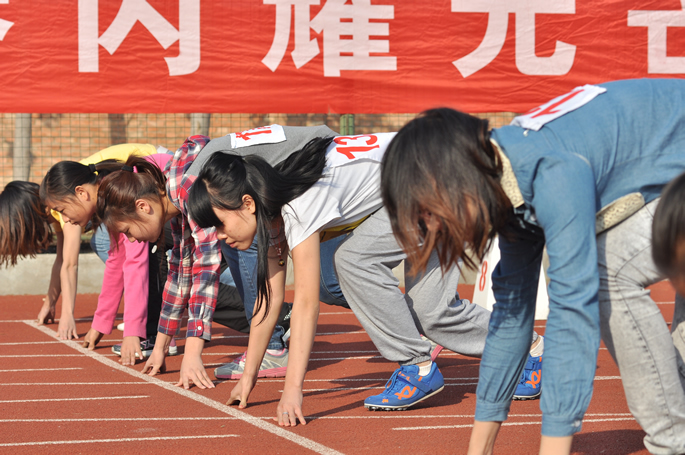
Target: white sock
[539, 349]
[426, 369]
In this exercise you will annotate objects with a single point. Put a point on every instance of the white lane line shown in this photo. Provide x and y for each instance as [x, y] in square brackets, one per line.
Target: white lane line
[404, 415]
[229, 354]
[39, 355]
[39, 369]
[257, 422]
[385, 379]
[336, 389]
[341, 333]
[29, 342]
[73, 383]
[91, 441]
[507, 424]
[119, 419]
[45, 400]
[347, 358]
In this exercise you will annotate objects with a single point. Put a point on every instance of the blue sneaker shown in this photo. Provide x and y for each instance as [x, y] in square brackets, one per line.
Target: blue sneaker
[405, 388]
[530, 385]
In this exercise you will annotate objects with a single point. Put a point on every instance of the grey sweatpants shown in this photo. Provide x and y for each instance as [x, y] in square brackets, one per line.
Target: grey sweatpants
[393, 320]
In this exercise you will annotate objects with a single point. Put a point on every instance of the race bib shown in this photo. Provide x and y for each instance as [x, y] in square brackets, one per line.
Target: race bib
[346, 149]
[536, 118]
[263, 135]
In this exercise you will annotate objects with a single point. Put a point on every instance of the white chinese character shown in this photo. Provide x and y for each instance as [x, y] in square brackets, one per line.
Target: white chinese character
[330, 22]
[657, 23]
[498, 17]
[305, 49]
[4, 25]
[131, 11]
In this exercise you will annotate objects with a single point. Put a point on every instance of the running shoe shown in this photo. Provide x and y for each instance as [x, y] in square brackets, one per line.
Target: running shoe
[120, 327]
[406, 388]
[273, 366]
[147, 346]
[435, 348]
[530, 384]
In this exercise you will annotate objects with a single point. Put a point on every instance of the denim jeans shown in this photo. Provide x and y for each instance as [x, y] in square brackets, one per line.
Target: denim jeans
[243, 268]
[99, 243]
[636, 335]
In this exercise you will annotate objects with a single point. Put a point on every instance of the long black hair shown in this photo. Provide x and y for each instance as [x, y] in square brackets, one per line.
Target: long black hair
[226, 178]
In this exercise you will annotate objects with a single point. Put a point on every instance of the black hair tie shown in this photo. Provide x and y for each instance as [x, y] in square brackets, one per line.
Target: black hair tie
[93, 168]
[126, 167]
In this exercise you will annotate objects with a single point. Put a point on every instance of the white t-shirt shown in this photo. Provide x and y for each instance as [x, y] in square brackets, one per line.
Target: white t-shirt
[349, 190]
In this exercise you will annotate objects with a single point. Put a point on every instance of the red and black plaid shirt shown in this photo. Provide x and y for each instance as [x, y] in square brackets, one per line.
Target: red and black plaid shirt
[194, 266]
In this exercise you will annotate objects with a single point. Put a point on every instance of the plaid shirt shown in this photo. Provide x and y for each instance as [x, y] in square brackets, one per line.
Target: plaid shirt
[194, 266]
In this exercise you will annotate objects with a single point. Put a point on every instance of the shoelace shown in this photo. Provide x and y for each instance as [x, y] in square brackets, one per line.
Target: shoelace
[241, 360]
[390, 385]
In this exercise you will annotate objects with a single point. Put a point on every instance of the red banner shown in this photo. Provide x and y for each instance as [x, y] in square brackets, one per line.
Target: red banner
[338, 56]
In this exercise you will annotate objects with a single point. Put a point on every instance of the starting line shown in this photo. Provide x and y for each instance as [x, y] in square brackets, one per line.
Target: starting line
[255, 421]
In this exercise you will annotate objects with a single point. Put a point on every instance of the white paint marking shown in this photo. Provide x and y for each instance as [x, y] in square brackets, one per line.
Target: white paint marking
[39, 369]
[29, 342]
[257, 422]
[341, 333]
[91, 441]
[118, 419]
[404, 415]
[73, 383]
[45, 400]
[39, 355]
[506, 424]
[336, 389]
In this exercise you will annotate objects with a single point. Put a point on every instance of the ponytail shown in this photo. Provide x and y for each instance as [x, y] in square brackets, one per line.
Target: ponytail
[118, 192]
[226, 178]
[61, 180]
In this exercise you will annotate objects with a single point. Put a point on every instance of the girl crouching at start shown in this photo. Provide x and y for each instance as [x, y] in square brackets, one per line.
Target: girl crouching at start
[333, 185]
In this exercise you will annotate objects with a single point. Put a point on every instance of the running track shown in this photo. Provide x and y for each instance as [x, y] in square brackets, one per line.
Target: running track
[56, 397]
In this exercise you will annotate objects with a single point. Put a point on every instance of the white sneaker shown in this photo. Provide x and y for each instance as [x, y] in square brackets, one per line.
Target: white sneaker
[120, 327]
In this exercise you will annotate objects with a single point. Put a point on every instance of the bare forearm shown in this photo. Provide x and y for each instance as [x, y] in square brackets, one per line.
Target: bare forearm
[55, 287]
[303, 328]
[68, 280]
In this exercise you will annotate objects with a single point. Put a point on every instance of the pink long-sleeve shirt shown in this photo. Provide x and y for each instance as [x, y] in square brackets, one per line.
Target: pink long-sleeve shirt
[126, 273]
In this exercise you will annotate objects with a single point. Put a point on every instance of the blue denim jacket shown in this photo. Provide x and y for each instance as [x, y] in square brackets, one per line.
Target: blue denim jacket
[630, 139]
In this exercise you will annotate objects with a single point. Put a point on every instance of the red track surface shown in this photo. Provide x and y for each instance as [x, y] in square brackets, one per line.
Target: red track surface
[76, 403]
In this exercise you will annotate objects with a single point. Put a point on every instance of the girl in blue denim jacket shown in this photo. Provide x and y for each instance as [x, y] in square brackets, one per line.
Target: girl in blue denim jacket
[580, 175]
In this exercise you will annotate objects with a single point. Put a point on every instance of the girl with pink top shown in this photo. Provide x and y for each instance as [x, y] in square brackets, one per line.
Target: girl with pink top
[131, 268]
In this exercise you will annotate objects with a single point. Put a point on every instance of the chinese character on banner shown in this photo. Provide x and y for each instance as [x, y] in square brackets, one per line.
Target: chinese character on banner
[131, 11]
[657, 23]
[4, 25]
[335, 19]
[560, 62]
